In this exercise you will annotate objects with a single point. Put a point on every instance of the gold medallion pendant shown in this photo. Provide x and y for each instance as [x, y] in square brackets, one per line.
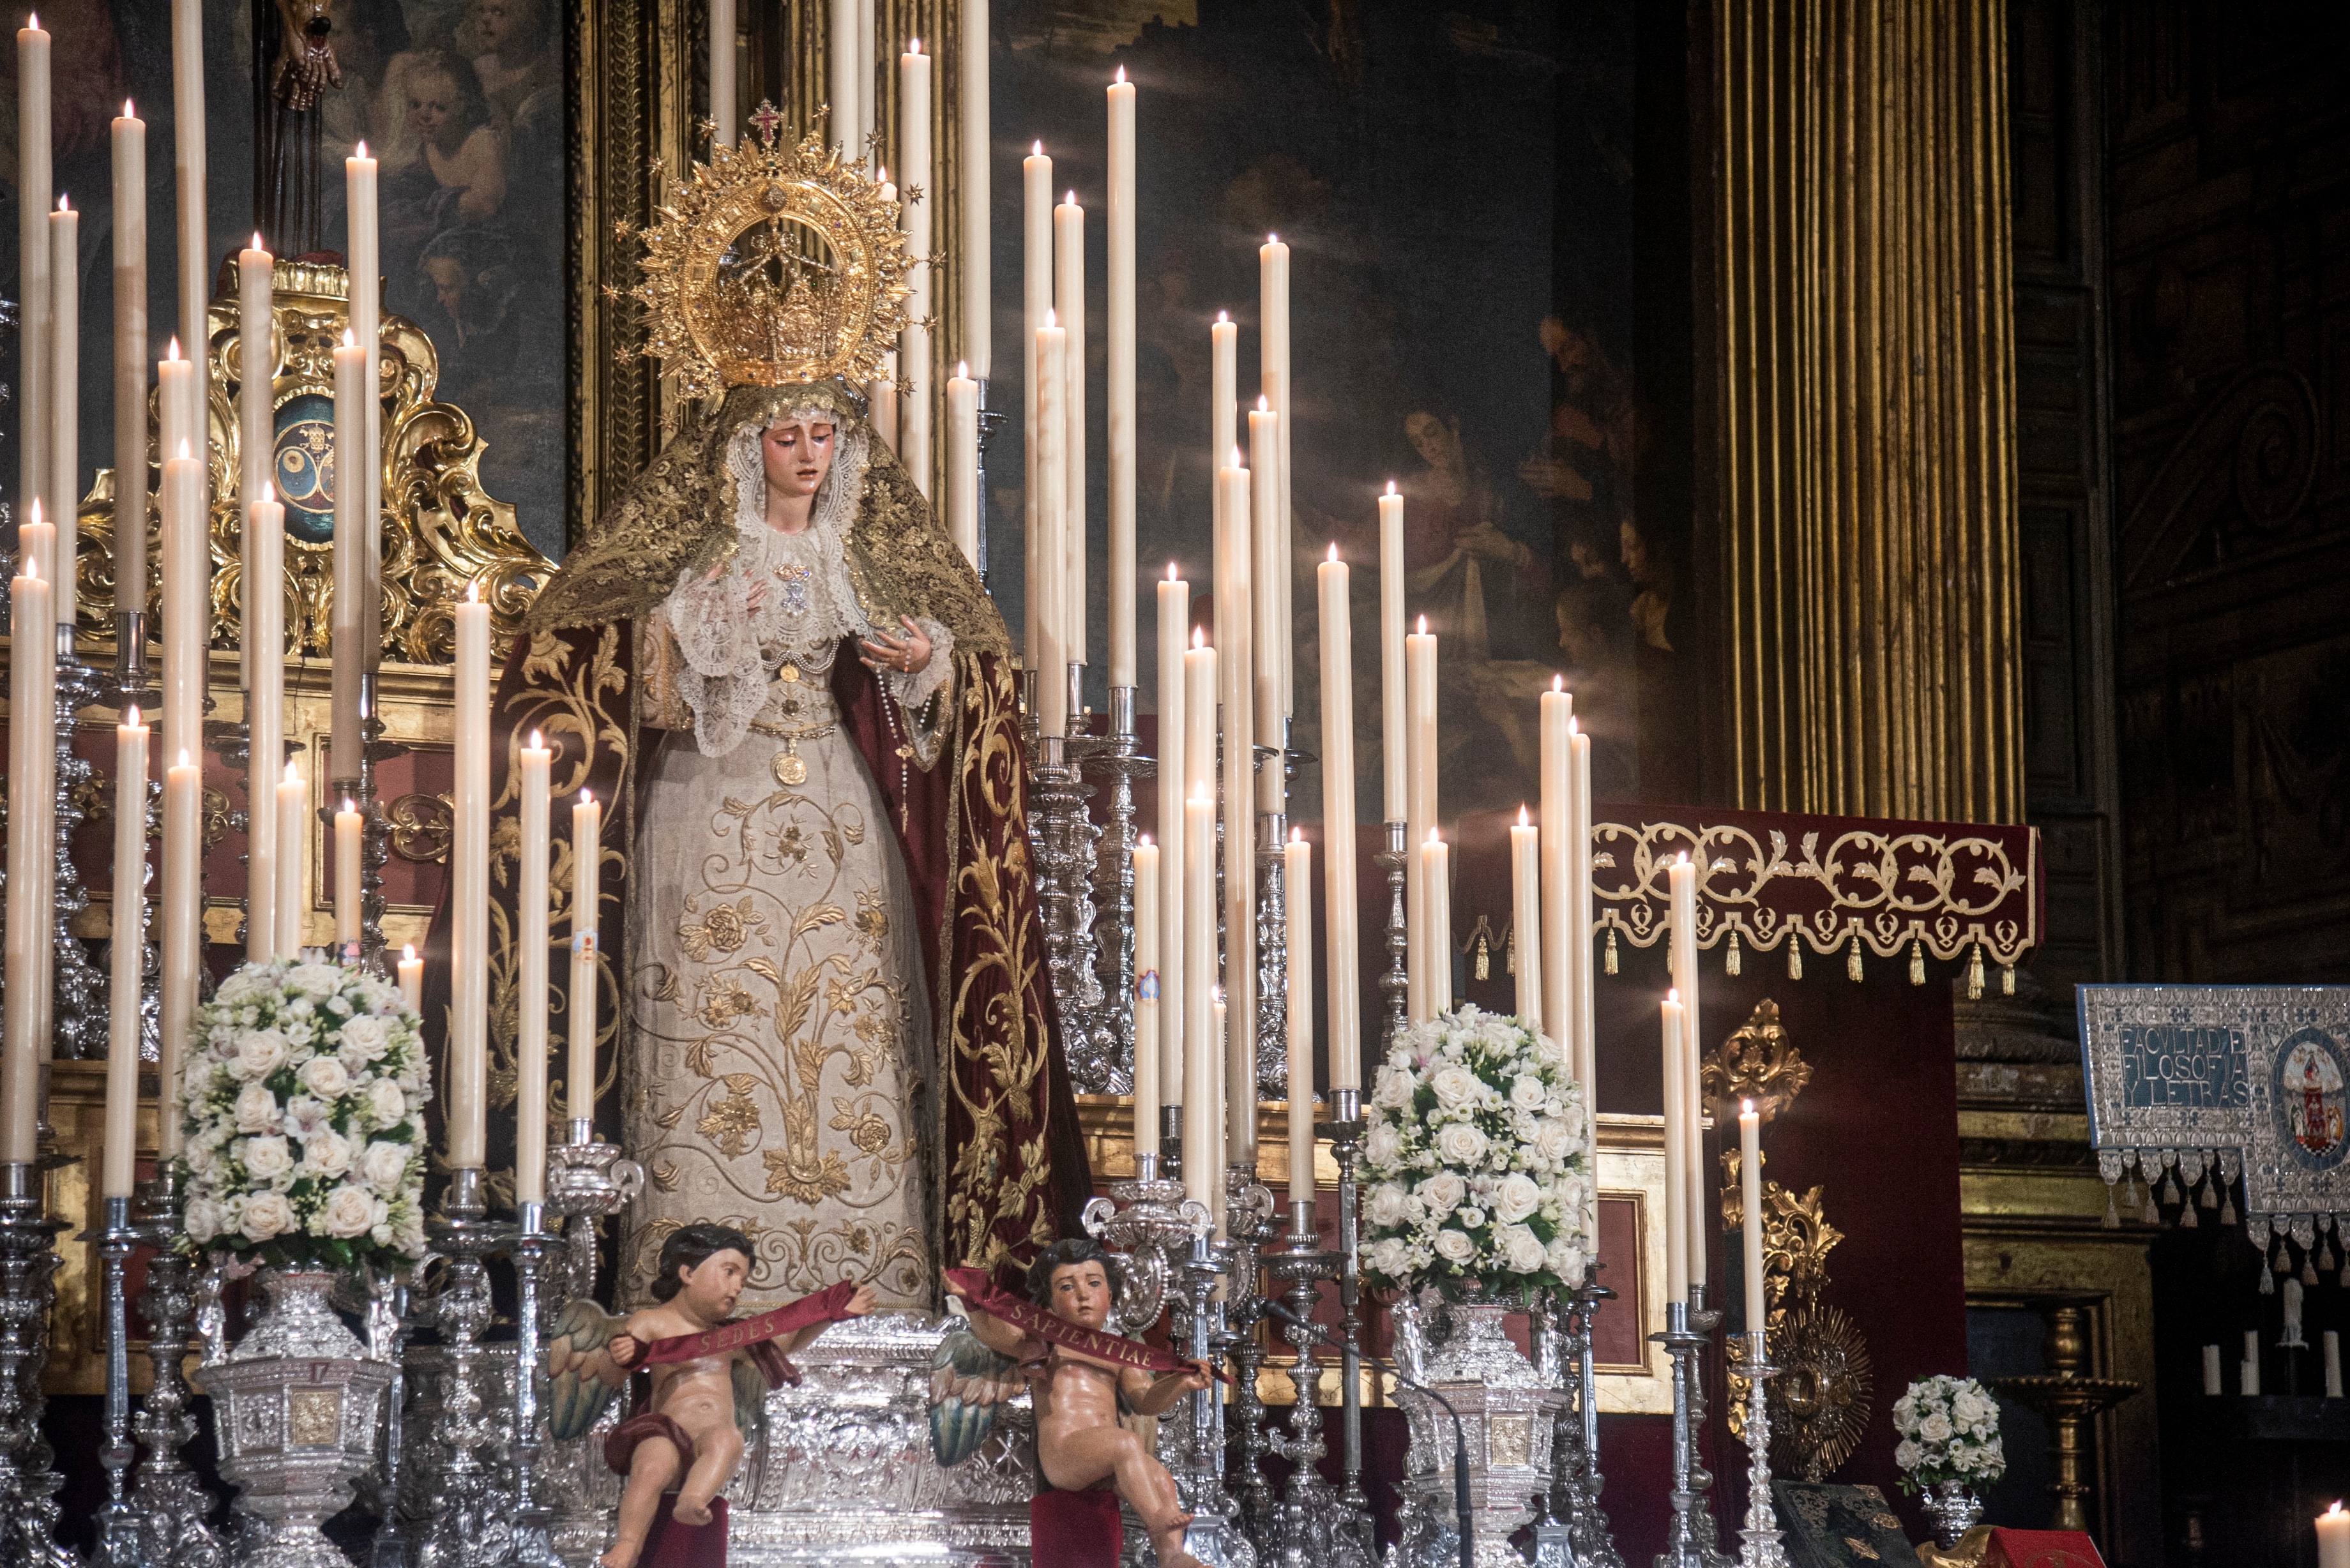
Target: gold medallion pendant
[790, 767]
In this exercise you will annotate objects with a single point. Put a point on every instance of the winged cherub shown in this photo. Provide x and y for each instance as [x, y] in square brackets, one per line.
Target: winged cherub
[709, 1376]
[1078, 1397]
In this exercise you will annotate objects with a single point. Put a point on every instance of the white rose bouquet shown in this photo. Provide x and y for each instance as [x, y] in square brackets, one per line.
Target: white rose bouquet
[1949, 1432]
[304, 1095]
[1476, 1162]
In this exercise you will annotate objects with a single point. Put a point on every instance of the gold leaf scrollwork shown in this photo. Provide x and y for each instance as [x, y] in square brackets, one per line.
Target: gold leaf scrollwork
[422, 826]
[1760, 1062]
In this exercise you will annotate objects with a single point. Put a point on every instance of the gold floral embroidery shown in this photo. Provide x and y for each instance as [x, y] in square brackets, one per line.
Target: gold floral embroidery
[872, 923]
[791, 1173]
[724, 1000]
[731, 1123]
[723, 929]
[869, 1131]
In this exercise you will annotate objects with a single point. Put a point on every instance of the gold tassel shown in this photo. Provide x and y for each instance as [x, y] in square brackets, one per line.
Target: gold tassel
[1510, 951]
[1484, 957]
[1730, 963]
[2268, 1282]
[2007, 980]
[1852, 958]
[2187, 1219]
[1917, 961]
[1611, 949]
[1974, 973]
[1795, 955]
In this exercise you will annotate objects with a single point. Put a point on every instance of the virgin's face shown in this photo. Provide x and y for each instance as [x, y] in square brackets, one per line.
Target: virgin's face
[798, 454]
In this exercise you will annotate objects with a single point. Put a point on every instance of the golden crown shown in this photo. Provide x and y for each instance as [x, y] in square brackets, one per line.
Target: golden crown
[774, 264]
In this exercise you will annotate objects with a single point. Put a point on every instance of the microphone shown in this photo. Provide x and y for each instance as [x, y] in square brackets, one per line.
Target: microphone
[1464, 1514]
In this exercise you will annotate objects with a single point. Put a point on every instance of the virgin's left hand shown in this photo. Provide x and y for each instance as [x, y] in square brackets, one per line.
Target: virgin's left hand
[909, 656]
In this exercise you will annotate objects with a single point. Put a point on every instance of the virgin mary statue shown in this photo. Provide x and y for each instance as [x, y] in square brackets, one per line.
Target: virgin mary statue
[831, 1023]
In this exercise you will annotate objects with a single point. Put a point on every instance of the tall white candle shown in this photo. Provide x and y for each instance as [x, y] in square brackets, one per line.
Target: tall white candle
[2331, 1347]
[365, 283]
[1037, 305]
[1051, 584]
[1420, 804]
[1682, 911]
[33, 195]
[195, 249]
[845, 61]
[919, 201]
[351, 867]
[1345, 976]
[63, 465]
[586, 895]
[1556, 767]
[183, 937]
[1297, 867]
[351, 559]
[256, 447]
[187, 631]
[962, 462]
[1070, 313]
[411, 978]
[1223, 400]
[1273, 304]
[293, 811]
[1436, 903]
[1525, 912]
[1120, 366]
[1174, 616]
[129, 362]
[1146, 996]
[1393, 751]
[868, 85]
[1578, 916]
[174, 428]
[2249, 1372]
[1750, 1191]
[265, 711]
[1269, 628]
[32, 762]
[978, 283]
[129, 945]
[535, 770]
[724, 107]
[1236, 671]
[881, 398]
[1677, 1245]
[2334, 1538]
[469, 899]
[1202, 1113]
[2211, 1369]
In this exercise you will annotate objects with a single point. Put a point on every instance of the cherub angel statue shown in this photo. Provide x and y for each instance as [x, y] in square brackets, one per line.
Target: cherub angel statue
[1084, 1375]
[709, 1378]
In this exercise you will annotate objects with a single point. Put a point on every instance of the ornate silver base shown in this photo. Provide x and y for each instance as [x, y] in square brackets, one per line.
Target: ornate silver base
[1575, 1480]
[1395, 984]
[473, 1526]
[1762, 1546]
[28, 1260]
[1310, 1528]
[171, 1505]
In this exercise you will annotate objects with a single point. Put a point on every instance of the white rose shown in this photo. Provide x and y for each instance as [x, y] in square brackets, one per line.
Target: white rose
[386, 1103]
[201, 1221]
[1905, 1414]
[1968, 1408]
[325, 1077]
[328, 1154]
[1461, 1143]
[267, 1214]
[1388, 1257]
[349, 1213]
[369, 1037]
[1383, 1145]
[319, 980]
[1521, 1248]
[1470, 1217]
[265, 1158]
[1516, 1197]
[1528, 1094]
[382, 1165]
[1456, 1088]
[1444, 1191]
[1454, 1246]
[409, 1233]
[1393, 1088]
[1390, 1206]
[1554, 1139]
[1935, 1428]
[259, 1052]
[1905, 1454]
[1565, 1260]
[200, 1159]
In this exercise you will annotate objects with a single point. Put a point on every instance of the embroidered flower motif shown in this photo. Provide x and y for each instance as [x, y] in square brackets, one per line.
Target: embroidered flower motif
[723, 1002]
[723, 929]
[791, 1173]
[732, 1121]
[866, 1127]
[872, 923]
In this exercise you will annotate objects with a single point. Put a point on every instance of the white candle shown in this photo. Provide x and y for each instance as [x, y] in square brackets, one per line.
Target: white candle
[882, 398]
[2249, 1371]
[195, 250]
[411, 978]
[33, 192]
[537, 762]
[1393, 747]
[1556, 768]
[918, 203]
[1436, 903]
[1420, 804]
[1051, 583]
[469, 899]
[978, 284]
[1525, 911]
[255, 417]
[183, 935]
[1121, 367]
[350, 865]
[63, 465]
[292, 807]
[1069, 315]
[2333, 1352]
[586, 895]
[129, 944]
[1750, 1190]
[1682, 912]
[1273, 304]
[1235, 680]
[1146, 996]
[32, 762]
[1202, 1113]
[1676, 1247]
[1174, 785]
[366, 284]
[1269, 628]
[1297, 865]
[846, 61]
[1217, 1150]
[129, 362]
[963, 463]
[1583, 1001]
[265, 712]
[2334, 1538]
[2211, 1369]
[351, 559]
[1344, 979]
[1223, 395]
[722, 95]
[1036, 306]
[174, 428]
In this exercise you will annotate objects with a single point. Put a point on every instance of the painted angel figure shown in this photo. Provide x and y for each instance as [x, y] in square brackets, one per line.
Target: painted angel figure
[709, 1376]
[1082, 1376]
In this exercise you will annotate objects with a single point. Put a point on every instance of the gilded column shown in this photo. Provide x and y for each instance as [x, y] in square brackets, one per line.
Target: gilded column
[1868, 563]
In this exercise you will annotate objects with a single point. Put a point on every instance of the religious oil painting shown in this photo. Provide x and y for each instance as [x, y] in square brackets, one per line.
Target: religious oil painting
[1456, 188]
[460, 102]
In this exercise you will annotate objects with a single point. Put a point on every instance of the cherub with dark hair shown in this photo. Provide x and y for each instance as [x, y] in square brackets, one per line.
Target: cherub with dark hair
[709, 1376]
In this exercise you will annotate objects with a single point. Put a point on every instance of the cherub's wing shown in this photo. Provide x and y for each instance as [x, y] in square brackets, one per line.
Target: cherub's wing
[749, 1398]
[582, 1378]
[968, 1381]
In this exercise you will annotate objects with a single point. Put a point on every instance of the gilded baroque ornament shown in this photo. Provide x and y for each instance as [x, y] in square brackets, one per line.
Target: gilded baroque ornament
[1757, 1063]
[775, 264]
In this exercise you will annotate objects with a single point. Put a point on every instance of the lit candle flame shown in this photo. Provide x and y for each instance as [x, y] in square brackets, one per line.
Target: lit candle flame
[963, 369]
[536, 744]
[1333, 552]
[127, 113]
[1038, 151]
[358, 149]
[171, 351]
[1263, 405]
[1297, 835]
[131, 717]
[350, 808]
[293, 774]
[1683, 858]
[1559, 682]
[185, 455]
[1071, 199]
[1273, 239]
[1423, 626]
[1523, 820]
[1746, 1107]
[1051, 319]
[1170, 573]
[257, 241]
[1435, 837]
[350, 341]
[1222, 318]
[1144, 840]
[1122, 73]
[269, 494]
[408, 952]
[1674, 996]
[586, 797]
[1198, 637]
[913, 45]
[61, 205]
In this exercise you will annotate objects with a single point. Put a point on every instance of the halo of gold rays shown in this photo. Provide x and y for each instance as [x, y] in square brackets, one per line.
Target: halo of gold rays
[773, 263]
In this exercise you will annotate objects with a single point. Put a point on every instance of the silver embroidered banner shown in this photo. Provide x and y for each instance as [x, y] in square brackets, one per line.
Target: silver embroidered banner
[2255, 1072]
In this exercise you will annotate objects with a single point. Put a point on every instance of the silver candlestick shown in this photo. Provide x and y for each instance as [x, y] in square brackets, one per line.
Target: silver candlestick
[1762, 1545]
[118, 1521]
[1396, 984]
[170, 1503]
[1063, 838]
[533, 1545]
[1704, 1320]
[1250, 1224]
[1344, 1130]
[1311, 1527]
[1575, 1479]
[375, 827]
[1151, 1221]
[1214, 1535]
[470, 1525]
[1271, 950]
[28, 1259]
[587, 1180]
[1115, 755]
[79, 1027]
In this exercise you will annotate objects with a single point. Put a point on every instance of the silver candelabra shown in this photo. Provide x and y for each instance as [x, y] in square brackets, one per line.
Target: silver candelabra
[1311, 1527]
[171, 1505]
[1761, 1547]
[533, 1545]
[471, 1526]
[1214, 1535]
[28, 1260]
[1575, 1479]
[1395, 984]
